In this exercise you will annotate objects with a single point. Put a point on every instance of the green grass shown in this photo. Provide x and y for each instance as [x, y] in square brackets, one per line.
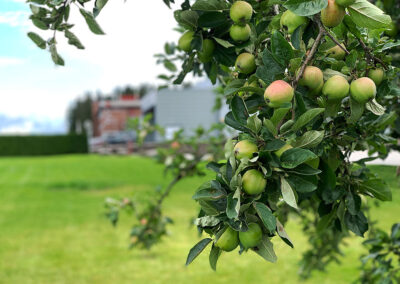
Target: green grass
[53, 229]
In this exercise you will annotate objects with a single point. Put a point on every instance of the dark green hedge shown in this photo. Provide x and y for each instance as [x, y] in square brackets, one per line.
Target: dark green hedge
[36, 145]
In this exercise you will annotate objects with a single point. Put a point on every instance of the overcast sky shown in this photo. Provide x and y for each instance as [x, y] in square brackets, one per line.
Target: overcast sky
[33, 88]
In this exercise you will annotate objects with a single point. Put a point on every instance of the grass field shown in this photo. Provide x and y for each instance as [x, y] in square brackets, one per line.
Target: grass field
[53, 229]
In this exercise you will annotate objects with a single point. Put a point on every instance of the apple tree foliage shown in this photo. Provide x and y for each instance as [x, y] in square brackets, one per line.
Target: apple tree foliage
[298, 135]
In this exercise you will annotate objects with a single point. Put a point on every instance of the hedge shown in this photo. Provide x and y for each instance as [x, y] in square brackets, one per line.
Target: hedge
[37, 145]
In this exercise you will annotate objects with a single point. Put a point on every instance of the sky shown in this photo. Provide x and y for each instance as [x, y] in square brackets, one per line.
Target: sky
[35, 94]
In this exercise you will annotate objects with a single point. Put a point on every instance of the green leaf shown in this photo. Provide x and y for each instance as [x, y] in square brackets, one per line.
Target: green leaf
[239, 110]
[378, 188]
[310, 139]
[266, 216]
[233, 86]
[304, 170]
[366, 15]
[73, 40]
[207, 221]
[301, 185]
[233, 204]
[213, 257]
[212, 20]
[281, 48]
[231, 121]
[266, 250]
[325, 221]
[358, 224]
[210, 190]
[274, 145]
[98, 6]
[57, 59]
[357, 109]
[306, 7]
[282, 233]
[189, 18]
[254, 124]
[279, 114]
[41, 43]
[270, 126]
[222, 42]
[374, 107]
[288, 194]
[210, 5]
[293, 157]
[306, 118]
[327, 184]
[271, 68]
[170, 65]
[91, 22]
[197, 249]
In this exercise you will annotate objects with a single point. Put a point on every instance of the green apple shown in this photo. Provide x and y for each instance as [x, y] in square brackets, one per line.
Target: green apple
[376, 75]
[278, 93]
[279, 152]
[312, 78]
[229, 240]
[332, 15]
[336, 52]
[245, 63]
[363, 89]
[252, 237]
[253, 182]
[245, 149]
[240, 33]
[241, 12]
[207, 51]
[292, 21]
[336, 88]
[185, 41]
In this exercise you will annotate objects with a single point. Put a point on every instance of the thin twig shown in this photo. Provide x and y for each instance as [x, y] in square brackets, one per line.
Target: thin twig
[334, 39]
[370, 56]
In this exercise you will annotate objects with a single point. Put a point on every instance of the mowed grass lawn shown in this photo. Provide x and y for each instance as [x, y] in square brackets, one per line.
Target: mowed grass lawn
[53, 228]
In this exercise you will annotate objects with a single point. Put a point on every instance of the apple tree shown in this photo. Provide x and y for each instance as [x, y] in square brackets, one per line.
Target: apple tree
[307, 83]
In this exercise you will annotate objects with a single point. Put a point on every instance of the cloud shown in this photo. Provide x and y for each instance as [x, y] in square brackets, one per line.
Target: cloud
[14, 18]
[22, 128]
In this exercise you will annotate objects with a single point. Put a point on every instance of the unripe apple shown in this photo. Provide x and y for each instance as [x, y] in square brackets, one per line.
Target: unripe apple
[292, 21]
[185, 41]
[252, 237]
[279, 152]
[312, 77]
[241, 12]
[245, 63]
[229, 240]
[336, 52]
[245, 149]
[376, 75]
[253, 182]
[278, 93]
[332, 15]
[240, 33]
[363, 89]
[345, 3]
[336, 88]
[391, 30]
[208, 49]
